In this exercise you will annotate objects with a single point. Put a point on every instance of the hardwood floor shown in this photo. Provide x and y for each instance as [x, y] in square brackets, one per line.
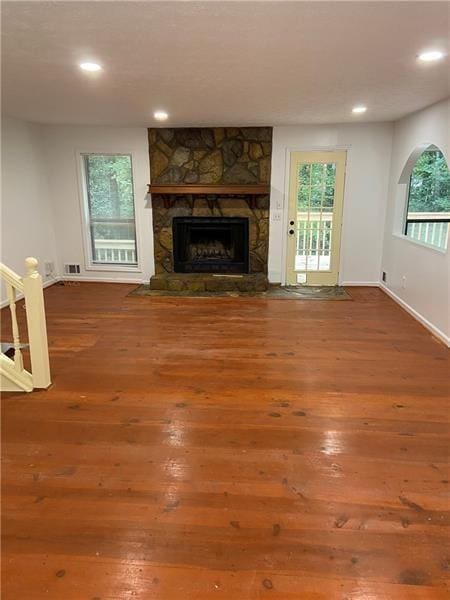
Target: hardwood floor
[229, 448]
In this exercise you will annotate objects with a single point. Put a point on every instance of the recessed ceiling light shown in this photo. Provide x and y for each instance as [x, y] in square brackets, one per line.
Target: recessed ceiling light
[359, 110]
[90, 66]
[431, 55]
[160, 115]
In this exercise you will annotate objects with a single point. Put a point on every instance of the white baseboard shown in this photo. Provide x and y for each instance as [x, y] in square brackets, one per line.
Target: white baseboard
[50, 282]
[409, 309]
[360, 283]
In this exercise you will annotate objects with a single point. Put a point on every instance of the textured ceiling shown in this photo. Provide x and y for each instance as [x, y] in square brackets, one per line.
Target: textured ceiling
[221, 63]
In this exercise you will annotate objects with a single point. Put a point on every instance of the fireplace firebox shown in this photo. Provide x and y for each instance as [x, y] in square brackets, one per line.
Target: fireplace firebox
[210, 244]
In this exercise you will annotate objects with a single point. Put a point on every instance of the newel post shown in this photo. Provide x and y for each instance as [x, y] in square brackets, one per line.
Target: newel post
[37, 328]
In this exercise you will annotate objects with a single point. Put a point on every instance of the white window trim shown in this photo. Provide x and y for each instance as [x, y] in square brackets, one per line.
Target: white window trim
[405, 180]
[415, 242]
[89, 265]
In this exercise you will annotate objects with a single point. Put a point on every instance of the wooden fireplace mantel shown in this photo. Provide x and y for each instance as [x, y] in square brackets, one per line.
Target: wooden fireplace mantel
[205, 189]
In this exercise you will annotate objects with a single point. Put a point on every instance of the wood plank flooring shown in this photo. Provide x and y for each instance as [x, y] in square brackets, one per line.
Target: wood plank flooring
[229, 448]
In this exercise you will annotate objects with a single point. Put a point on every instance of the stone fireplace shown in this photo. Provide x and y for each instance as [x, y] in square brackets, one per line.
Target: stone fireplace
[210, 201]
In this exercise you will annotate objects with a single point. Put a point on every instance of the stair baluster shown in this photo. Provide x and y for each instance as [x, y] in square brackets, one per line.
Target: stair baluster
[18, 358]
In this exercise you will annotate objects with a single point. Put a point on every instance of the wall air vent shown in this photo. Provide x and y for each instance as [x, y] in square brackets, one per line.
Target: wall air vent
[72, 269]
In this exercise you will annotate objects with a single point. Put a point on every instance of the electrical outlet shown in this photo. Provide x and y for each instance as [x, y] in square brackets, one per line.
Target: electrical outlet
[384, 276]
[49, 268]
[403, 282]
[276, 216]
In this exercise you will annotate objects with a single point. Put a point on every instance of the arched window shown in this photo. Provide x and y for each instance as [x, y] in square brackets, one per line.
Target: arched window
[428, 208]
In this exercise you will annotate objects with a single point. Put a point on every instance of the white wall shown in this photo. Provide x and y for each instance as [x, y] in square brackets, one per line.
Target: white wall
[427, 271]
[41, 195]
[63, 146]
[368, 154]
[27, 220]
[368, 148]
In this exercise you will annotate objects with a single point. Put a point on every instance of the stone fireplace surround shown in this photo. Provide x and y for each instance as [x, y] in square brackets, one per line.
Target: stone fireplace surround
[217, 156]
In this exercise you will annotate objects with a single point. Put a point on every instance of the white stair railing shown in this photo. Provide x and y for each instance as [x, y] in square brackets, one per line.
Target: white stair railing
[13, 375]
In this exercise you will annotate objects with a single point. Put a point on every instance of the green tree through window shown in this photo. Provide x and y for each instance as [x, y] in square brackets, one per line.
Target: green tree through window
[109, 185]
[429, 188]
[428, 212]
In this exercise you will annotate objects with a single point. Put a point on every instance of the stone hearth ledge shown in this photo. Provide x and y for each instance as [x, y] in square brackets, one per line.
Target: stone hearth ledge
[209, 282]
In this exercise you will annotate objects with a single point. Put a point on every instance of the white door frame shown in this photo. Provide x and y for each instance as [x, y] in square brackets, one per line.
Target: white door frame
[285, 220]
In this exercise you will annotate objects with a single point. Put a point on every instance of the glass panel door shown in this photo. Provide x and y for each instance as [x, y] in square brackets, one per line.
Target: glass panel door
[315, 210]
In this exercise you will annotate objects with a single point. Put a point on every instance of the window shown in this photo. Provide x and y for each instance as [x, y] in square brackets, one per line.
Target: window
[428, 208]
[110, 209]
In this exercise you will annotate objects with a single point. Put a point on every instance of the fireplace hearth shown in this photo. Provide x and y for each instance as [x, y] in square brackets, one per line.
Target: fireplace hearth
[210, 245]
